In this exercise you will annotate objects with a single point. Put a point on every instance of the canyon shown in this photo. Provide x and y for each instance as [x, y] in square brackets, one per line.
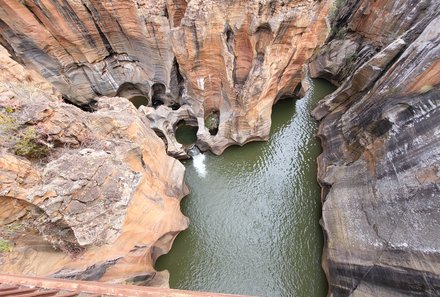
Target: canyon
[91, 186]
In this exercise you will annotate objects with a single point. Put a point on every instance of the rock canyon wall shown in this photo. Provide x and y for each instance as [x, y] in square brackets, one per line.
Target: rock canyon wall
[218, 65]
[226, 61]
[380, 135]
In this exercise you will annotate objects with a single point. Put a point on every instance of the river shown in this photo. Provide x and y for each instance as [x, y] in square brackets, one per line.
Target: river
[255, 213]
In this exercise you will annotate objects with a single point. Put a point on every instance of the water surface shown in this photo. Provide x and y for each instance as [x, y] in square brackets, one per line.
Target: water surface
[138, 101]
[254, 213]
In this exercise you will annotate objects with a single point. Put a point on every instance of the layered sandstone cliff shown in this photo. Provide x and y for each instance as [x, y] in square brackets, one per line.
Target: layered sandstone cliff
[227, 62]
[380, 135]
[89, 196]
[219, 65]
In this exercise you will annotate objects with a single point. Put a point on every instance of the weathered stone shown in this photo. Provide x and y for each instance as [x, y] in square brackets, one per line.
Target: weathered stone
[231, 59]
[221, 66]
[380, 163]
[105, 188]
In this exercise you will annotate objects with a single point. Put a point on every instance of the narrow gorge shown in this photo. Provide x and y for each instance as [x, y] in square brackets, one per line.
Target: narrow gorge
[93, 93]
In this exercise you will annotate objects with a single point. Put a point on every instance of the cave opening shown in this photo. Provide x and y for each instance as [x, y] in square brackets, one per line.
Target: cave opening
[229, 34]
[139, 101]
[135, 93]
[298, 89]
[158, 94]
[186, 131]
[263, 36]
[91, 106]
[212, 122]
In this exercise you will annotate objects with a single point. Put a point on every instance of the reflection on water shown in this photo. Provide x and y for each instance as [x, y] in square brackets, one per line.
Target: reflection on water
[254, 213]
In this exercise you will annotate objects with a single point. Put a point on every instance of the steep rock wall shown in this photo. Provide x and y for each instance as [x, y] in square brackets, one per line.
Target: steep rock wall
[228, 61]
[90, 48]
[380, 163]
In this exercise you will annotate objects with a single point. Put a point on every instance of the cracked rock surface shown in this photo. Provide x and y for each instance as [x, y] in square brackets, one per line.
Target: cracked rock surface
[101, 203]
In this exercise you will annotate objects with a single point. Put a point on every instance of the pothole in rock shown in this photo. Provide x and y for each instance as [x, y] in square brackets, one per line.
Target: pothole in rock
[139, 101]
[136, 93]
[186, 134]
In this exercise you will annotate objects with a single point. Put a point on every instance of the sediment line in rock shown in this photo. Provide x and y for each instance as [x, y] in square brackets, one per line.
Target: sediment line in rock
[380, 162]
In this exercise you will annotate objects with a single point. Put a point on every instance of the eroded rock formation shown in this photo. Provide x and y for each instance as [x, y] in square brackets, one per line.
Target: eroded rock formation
[226, 61]
[219, 65]
[380, 135]
[89, 196]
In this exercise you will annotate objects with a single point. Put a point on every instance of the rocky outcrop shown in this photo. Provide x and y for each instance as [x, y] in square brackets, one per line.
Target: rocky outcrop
[89, 196]
[227, 62]
[219, 65]
[380, 163]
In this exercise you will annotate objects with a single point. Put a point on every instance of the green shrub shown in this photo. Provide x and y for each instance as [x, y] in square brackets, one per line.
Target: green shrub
[212, 121]
[334, 10]
[28, 145]
[7, 122]
[4, 246]
[23, 142]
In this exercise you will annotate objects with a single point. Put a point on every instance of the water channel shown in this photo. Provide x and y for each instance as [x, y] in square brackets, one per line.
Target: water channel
[255, 213]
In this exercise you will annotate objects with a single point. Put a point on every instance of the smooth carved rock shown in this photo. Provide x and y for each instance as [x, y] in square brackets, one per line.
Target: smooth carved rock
[331, 59]
[239, 57]
[361, 80]
[380, 163]
[231, 59]
[104, 203]
[165, 120]
[90, 48]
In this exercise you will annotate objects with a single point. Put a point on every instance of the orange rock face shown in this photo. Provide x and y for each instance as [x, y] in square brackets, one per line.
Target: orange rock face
[229, 61]
[238, 58]
[101, 201]
[104, 202]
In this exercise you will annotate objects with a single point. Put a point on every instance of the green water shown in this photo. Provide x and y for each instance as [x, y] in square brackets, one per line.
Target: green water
[186, 134]
[139, 100]
[254, 213]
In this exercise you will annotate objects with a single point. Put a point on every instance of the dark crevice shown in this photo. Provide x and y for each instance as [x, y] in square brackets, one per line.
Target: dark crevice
[167, 15]
[297, 91]
[175, 106]
[177, 85]
[161, 136]
[88, 107]
[229, 34]
[158, 93]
